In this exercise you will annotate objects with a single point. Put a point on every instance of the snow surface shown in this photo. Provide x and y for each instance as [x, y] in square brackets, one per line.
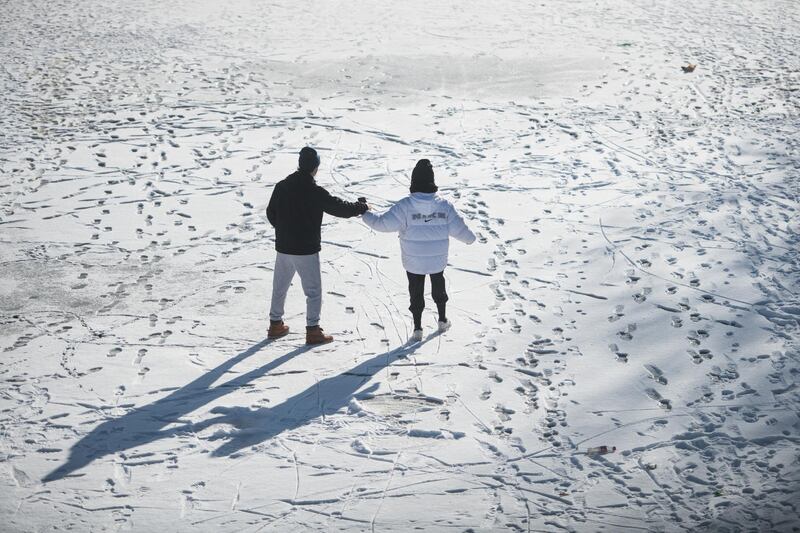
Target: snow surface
[635, 282]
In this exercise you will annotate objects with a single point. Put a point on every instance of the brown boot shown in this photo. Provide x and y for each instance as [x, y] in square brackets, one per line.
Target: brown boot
[277, 329]
[315, 335]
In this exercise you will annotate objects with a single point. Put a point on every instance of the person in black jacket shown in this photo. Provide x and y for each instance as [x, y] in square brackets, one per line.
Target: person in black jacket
[295, 211]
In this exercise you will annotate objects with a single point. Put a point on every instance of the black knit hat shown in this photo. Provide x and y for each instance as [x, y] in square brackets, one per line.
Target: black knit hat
[309, 160]
[422, 177]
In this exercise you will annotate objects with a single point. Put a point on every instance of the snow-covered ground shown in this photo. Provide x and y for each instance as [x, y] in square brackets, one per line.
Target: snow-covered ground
[635, 281]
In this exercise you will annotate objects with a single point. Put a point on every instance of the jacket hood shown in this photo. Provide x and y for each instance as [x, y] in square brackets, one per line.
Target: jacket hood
[426, 187]
[423, 196]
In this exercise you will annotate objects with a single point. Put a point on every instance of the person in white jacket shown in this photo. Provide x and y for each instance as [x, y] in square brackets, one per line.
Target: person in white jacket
[425, 222]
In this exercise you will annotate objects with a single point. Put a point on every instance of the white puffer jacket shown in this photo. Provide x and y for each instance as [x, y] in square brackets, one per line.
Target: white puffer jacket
[425, 222]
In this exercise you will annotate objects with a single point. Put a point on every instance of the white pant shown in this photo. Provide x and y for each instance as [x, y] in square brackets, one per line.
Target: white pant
[308, 268]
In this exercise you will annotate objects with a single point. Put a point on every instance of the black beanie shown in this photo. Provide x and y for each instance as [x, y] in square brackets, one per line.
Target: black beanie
[422, 177]
[309, 160]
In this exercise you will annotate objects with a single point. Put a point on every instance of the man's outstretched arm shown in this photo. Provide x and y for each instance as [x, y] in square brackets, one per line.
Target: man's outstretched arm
[340, 208]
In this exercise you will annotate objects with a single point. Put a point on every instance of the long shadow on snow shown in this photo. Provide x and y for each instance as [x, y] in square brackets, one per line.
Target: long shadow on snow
[321, 399]
[145, 424]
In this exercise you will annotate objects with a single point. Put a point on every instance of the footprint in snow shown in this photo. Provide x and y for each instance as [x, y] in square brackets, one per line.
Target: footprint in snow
[622, 357]
[655, 395]
[617, 313]
[696, 357]
[656, 374]
[641, 296]
[706, 396]
[627, 333]
[503, 412]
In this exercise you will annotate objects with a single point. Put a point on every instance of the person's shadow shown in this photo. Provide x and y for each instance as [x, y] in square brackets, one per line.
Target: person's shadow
[319, 400]
[146, 424]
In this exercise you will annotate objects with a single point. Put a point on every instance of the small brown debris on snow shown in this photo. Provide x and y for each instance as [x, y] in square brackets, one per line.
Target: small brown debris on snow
[688, 68]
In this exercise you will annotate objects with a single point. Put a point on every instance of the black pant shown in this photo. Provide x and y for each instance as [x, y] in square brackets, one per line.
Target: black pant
[416, 290]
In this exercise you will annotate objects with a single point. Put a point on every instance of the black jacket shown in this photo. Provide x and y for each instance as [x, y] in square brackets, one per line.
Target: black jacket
[295, 211]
